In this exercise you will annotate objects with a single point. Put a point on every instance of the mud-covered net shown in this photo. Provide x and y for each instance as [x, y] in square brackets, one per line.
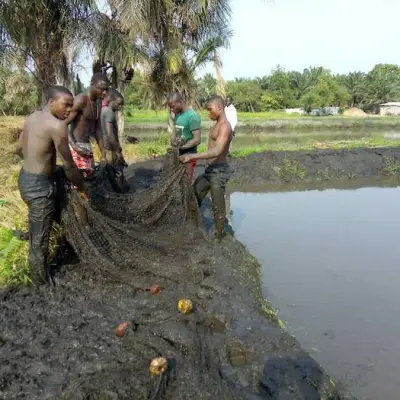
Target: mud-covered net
[150, 236]
[137, 230]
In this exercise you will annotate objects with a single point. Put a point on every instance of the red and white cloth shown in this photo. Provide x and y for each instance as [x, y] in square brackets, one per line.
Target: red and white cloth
[85, 160]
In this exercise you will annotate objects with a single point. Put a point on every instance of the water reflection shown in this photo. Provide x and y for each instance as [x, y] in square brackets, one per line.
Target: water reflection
[331, 265]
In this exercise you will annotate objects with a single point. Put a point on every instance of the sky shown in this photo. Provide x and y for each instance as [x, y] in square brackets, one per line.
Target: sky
[341, 35]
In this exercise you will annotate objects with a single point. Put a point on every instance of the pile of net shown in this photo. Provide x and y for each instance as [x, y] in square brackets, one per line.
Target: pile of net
[140, 231]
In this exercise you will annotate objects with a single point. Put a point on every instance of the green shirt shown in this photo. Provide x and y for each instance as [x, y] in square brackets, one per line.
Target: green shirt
[185, 124]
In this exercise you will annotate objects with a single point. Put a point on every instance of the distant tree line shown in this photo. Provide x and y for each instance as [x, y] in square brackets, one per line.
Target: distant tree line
[312, 88]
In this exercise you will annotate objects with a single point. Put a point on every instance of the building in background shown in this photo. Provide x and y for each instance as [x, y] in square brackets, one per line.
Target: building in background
[392, 108]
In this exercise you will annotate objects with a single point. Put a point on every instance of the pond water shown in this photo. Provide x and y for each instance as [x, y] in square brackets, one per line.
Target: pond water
[331, 266]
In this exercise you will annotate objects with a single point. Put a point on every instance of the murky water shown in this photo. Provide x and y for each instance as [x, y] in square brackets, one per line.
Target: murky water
[331, 265]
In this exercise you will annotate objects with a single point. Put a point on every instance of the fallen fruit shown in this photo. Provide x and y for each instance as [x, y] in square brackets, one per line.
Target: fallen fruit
[155, 289]
[121, 329]
[158, 366]
[185, 306]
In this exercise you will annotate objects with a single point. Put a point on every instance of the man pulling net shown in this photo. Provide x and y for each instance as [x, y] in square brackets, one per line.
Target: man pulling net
[44, 135]
[218, 172]
[85, 120]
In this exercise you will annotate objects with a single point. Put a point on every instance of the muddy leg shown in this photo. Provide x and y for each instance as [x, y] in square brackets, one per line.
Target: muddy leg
[201, 187]
[41, 214]
[219, 208]
[218, 179]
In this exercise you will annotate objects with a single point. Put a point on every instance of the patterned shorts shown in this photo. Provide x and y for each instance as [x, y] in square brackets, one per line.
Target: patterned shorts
[85, 163]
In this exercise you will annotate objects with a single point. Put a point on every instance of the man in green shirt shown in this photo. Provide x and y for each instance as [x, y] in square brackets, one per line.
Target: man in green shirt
[187, 128]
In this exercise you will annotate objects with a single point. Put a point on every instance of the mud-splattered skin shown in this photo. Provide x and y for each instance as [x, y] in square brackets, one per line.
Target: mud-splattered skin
[62, 344]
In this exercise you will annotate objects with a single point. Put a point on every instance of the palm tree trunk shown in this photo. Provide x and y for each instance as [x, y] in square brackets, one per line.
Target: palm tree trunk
[221, 85]
[171, 124]
[120, 116]
[46, 77]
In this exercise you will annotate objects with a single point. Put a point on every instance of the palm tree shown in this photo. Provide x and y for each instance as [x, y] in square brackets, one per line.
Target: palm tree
[355, 84]
[169, 39]
[41, 32]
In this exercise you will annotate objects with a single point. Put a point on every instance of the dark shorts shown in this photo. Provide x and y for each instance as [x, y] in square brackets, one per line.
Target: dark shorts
[214, 180]
[43, 195]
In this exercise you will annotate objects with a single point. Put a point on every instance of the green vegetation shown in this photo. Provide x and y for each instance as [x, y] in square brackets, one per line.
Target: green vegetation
[13, 259]
[314, 87]
[48, 39]
[290, 170]
[391, 167]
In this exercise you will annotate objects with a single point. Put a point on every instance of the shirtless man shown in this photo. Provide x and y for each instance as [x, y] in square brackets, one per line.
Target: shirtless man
[218, 172]
[44, 136]
[85, 119]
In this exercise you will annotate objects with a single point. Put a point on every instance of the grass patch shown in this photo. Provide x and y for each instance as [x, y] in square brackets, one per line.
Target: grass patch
[391, 166]
[290, 170]
[13, 259]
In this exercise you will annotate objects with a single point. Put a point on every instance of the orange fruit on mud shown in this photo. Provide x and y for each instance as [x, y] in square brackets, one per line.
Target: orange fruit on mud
[121, 329]
[155, 289]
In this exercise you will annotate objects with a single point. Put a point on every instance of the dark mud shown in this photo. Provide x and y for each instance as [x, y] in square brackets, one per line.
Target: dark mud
[280, 167]
[315, 165]
[61, 343]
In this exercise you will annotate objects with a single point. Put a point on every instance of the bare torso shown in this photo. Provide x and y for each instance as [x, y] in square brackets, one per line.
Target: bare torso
[84, 125]
[38, 148]
[214, 132]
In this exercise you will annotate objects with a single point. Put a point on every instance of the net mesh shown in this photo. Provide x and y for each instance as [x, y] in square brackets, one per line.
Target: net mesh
[136, 230]
[150, 235]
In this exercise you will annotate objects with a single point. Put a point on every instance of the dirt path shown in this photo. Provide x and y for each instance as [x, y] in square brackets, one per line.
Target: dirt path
[61, 344]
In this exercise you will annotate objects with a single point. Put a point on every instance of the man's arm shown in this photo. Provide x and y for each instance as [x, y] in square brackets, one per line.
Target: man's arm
[221, 143]
[195, 124]
[77, 108]
[192, 142]
[60, 140]
[111, 137]
[108, 119]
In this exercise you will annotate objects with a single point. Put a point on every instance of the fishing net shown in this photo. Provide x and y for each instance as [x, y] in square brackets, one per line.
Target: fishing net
[138, 238]
[140, 230]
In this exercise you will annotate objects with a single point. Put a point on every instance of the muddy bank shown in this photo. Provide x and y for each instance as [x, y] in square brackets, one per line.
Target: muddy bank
[291, 124]
[315, 166]
[300, 167]
[61, 343]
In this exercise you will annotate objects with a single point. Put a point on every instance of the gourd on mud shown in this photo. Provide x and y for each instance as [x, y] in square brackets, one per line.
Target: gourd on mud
[185, 306]
[158, 366]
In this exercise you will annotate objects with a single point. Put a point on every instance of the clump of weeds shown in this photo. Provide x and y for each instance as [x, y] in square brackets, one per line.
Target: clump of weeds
[290, 170]
[391, 166]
